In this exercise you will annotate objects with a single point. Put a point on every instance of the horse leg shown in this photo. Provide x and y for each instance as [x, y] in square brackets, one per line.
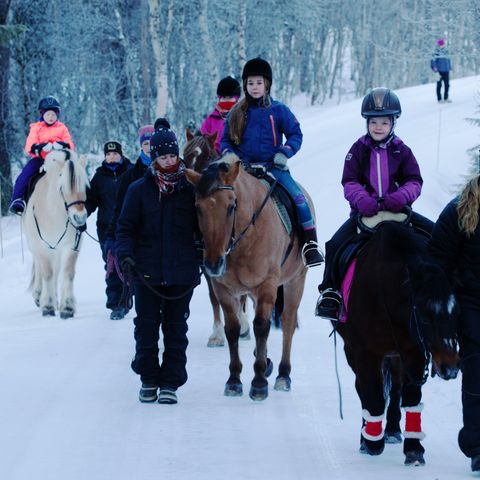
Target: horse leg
[261, 328]
[369, 384]
[67, 299]
[217, 338]
[392, 428]
[48, 297]
[243, 317]
[292, 295]
[36, 283]
[412, 406]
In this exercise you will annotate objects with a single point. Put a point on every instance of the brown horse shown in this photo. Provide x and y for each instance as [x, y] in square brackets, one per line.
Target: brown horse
[198, 153]
[231, 202]
[400, 304]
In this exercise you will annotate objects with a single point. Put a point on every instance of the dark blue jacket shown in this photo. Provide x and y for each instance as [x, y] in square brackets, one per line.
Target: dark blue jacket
[102, 194]
[159, 234]
[441, 60]
[458, 254]
[263, 135]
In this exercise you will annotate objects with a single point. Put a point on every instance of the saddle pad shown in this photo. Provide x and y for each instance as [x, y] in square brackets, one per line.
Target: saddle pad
[346, 286]
[281, 209]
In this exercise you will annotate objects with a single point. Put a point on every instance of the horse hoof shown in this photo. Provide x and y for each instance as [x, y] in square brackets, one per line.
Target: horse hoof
[393, 437]
[67, 313]
[414, 459]
[372, 447]
[258, 394]
[48, 311]
[283, 384]
[269, 369]
[233, 390]
[215, 342]
[245, 335]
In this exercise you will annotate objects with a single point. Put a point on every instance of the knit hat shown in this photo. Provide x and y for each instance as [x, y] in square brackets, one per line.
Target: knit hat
[145, 133]
[257, 66]
[228, 87]
[163, 141]
[112, 146]
[441, 42]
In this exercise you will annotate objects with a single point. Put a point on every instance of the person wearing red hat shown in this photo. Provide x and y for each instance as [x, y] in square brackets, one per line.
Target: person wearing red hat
[441, 63]
[44, 135]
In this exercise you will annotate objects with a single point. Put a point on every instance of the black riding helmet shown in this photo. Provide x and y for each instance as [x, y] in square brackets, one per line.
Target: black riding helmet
[257, 66]
[381, 102]
[48, 103]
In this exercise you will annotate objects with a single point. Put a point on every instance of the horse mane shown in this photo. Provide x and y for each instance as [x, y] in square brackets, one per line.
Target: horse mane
[210, 179]
[74, 176]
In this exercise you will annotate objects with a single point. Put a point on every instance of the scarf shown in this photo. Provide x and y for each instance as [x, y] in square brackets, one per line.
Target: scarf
[167, 181]
[145, 159]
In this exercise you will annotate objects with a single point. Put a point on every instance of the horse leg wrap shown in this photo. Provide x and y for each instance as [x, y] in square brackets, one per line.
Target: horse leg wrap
[373, 428]
[413, 422]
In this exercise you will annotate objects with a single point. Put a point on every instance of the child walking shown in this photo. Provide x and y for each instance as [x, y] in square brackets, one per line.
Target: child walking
[380, 173]
[254, 131]
[228, 93]
[40, 141]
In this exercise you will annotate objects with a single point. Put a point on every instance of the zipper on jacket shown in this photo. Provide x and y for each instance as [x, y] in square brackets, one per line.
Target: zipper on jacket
[379, 176]
[272, 122]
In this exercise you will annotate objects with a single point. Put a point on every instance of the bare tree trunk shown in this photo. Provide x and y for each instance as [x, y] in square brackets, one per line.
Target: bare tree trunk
[146, 88]
[5, 170]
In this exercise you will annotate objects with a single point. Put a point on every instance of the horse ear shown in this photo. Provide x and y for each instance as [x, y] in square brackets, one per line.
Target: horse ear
[232, 174]
[212, 138]
[192, 176]
[189, 134]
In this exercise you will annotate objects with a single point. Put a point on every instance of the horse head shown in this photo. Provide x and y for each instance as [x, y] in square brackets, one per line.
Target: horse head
[216, 205]
[72, 182]
[199, 150]
[437, 312]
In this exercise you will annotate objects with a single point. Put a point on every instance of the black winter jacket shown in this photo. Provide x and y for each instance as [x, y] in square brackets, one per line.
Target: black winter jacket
[458, 254]
[159, 234]
[102, 194]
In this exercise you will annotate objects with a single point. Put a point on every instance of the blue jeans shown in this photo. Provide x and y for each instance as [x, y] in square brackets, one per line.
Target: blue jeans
[304, 213]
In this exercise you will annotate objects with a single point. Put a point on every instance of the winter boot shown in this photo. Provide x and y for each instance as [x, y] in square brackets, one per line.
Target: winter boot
[476, 463]
[148, 393]
[167, 396]
[118, 313]
[17, 206]
[310, 252]
[328, 304]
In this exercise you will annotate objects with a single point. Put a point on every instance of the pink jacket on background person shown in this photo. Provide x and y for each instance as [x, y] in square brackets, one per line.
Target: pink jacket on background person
[214, 123]
[41, 132]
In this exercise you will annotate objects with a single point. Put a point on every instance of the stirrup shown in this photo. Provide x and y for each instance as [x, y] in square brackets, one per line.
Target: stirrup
[18, 206]
[333, 300]
[311, 247]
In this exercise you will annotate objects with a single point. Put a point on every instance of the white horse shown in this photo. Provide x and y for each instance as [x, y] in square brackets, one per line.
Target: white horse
[53, 222]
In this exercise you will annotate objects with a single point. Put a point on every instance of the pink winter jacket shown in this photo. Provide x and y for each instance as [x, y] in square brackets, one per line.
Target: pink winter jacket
[41, 132]
[213, 123]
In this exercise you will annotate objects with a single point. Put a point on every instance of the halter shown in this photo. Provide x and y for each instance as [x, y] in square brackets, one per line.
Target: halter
[79, 230]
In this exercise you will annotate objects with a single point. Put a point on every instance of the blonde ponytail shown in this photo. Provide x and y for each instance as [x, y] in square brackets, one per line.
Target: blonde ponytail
[468, 207]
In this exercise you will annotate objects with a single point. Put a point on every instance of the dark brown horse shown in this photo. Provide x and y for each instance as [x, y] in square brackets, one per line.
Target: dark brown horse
[400, 305]
[198, 153]
[246, 252]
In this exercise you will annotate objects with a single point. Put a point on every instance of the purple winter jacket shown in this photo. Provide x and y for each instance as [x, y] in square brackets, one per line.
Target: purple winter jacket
[213, 123]
[380, 169]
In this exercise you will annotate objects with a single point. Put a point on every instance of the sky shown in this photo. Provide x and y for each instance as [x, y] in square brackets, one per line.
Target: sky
[69, 404]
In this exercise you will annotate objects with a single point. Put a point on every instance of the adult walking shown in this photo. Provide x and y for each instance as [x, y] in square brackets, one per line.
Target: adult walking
[441, 63]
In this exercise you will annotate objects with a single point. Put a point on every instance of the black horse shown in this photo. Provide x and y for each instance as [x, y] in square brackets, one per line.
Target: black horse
[401, 312]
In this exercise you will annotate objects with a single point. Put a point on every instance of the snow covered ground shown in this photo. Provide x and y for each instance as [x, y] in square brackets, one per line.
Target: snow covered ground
[68, 402]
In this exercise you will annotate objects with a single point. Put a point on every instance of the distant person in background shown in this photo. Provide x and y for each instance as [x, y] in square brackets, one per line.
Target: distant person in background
[44, 135]
[441, 63]
[228, 93]
[455, 244]
[102, 194]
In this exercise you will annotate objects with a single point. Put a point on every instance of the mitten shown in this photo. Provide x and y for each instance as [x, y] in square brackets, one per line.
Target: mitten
[368, 206]
[280, 161]
[394, 202]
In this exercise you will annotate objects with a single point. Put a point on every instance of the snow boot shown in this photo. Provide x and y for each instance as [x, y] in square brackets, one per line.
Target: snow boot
[148, 393]
[328, 304]
[118, 313]
[310, 252]
[167, 396]
[476, 463]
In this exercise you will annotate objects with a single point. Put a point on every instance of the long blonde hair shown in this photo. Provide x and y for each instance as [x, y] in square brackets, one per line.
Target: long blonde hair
[468, 207]
[237, 118]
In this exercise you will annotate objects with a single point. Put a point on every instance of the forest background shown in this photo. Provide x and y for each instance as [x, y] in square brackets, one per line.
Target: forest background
[115, 65]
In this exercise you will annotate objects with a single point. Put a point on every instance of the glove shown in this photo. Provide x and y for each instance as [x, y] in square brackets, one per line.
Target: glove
[61, 145]
[280, 161]
[127, 263]
[394, 202]
[109, 246]
[36, 148]
[368, 206]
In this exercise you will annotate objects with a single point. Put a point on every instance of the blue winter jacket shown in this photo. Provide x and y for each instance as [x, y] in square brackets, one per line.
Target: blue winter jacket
[441, 60]
[263, 135]
[159, 234]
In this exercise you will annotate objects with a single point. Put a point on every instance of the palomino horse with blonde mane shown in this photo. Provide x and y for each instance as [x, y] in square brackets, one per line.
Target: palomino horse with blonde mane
[198, 153]
[248, 251]
[54, 219]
